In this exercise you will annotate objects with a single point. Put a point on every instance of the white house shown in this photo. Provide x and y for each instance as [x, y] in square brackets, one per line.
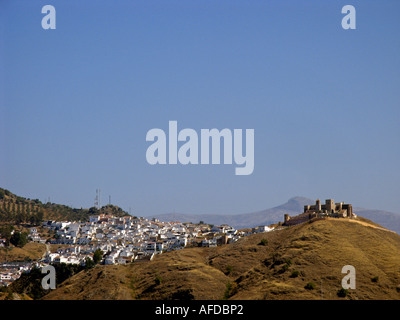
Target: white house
[151, 246]
[262, 229]
[99, 235]
[94, 219]
[5, 276]
[209, 243]
[126, 252]
[74, 227]
[109, 260]
[218, 229]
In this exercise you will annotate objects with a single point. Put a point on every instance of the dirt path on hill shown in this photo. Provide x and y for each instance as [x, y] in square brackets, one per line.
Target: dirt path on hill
[46, 251]
[364, 224]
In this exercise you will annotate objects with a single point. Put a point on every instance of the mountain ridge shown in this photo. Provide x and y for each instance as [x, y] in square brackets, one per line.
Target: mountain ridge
[293, 206]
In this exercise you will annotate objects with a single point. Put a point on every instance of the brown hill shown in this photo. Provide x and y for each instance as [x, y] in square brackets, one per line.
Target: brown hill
[275, 265]
[31, 251]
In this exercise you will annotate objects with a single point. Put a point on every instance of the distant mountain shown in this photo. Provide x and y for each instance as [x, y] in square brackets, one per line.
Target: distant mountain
[294, 206]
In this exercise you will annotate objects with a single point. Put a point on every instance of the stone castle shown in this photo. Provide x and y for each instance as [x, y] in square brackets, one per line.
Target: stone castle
[318, 210]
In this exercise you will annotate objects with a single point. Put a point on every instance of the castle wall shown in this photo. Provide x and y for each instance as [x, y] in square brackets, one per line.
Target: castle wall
[304, 217]
[330, 208]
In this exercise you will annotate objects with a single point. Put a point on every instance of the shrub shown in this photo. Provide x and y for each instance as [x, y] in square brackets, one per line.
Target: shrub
[231, 289]
[3, 289]
[342, 293]
[227, 291]
[375, 279]
[229, 269]
[158, 280]
[310, 286]
[263, 242]
[284, 268]
[295, 274]
[267, 262]
[182, 295]
[277, 259]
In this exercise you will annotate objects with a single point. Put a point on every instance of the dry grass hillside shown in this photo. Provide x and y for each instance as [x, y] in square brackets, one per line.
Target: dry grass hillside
[31, 251]
[274, 265]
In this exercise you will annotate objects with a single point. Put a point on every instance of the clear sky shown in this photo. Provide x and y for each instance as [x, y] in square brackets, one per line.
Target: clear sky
[76, 102]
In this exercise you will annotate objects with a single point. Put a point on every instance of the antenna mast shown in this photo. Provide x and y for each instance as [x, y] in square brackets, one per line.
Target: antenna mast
[97, 200]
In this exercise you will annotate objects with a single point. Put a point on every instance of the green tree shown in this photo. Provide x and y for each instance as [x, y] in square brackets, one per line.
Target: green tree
[89, 263]
[19, 239]
[19, 219]
[5, 232]
[32, 220]
[97, 256]
[39, 216]
[93, 211]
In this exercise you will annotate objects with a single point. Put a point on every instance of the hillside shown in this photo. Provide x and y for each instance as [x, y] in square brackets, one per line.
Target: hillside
[16, 209]
[386, 219]
[273, 265]
[293, 207]
[31, 251]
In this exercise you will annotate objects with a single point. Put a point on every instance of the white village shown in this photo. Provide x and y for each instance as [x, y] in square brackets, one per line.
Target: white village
[122, 240]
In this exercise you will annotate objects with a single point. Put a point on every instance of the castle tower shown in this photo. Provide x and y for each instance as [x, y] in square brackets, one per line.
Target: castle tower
[350, 211]
[329, 205]
[318, 205]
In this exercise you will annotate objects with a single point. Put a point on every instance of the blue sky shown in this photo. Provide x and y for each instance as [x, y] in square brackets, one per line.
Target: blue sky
[76, 102]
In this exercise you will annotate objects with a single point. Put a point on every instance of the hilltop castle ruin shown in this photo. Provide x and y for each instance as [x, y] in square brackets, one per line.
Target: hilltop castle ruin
[318, 210]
